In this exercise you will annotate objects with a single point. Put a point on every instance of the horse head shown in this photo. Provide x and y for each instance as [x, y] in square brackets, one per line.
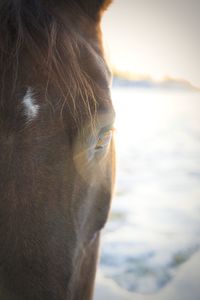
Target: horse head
[56, 147]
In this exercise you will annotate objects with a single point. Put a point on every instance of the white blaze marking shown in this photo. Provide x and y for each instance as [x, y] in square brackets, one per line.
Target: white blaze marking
[31, 109]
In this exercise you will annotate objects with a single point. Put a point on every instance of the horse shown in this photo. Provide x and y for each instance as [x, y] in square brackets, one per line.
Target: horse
[57, 153]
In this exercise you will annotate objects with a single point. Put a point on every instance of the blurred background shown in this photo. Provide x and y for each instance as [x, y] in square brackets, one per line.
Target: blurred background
[154, 229]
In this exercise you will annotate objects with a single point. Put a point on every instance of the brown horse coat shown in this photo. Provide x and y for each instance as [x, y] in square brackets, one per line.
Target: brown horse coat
[56, 148]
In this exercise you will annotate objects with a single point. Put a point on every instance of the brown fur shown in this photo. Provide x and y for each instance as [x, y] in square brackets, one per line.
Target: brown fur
[54, 198]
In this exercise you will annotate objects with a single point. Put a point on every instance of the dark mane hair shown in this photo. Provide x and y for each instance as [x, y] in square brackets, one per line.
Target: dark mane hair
[36, 29]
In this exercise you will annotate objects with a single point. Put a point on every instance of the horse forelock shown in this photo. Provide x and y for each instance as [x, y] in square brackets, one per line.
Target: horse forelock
[35, 36]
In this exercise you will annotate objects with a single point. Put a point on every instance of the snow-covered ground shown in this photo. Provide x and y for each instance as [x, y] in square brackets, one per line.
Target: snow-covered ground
[154, 227]
[184, 286]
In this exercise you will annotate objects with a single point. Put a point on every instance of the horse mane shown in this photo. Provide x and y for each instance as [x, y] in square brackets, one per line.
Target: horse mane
[94, 8]
[33, 31]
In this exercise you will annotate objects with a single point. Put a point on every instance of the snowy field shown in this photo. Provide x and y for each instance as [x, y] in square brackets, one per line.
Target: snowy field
[185, 286]
[150, 241]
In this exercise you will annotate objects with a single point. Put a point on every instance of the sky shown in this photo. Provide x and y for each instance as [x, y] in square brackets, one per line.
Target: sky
[154, 37]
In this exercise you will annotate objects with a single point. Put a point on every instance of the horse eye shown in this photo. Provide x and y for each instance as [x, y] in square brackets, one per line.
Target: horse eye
[104, 139]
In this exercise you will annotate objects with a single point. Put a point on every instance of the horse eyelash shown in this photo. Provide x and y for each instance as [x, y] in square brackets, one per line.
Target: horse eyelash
[105, 138]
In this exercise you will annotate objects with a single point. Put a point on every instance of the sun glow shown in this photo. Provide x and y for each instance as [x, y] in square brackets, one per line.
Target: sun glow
[154, 37]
